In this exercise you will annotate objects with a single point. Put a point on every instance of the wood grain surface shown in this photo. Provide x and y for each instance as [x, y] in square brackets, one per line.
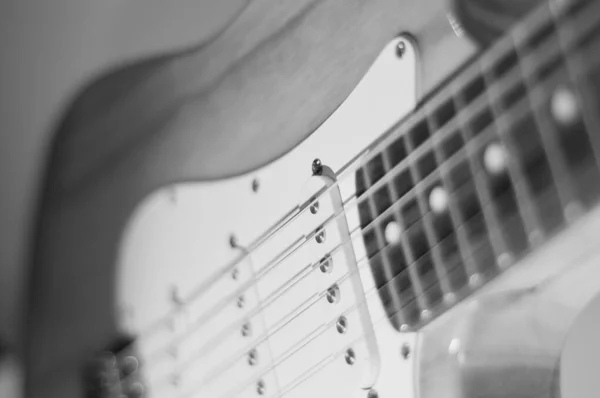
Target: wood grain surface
[245, 99]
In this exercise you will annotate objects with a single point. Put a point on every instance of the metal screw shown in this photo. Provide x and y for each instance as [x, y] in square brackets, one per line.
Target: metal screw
[240, 302]
[317, 167]
[372, 393]
[333, 294]
[314, 208]
[233, 241]
[401, 49]
[261, 388]
[255, 185]
[405, 351]
[253, 357]
[350, 356]
[320, 236]
[341, 325]
[326, 264]
[246, 329]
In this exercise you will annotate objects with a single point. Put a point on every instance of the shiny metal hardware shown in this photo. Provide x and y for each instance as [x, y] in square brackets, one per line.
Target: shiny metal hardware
[261, 387]
[252, 357]
[341, 325]
[326, 264]
[373, 367]
[401, 49]
[317, 167]
[333, 294]
[350, 356]
[320, 236]
[314, 207]
[246, 329]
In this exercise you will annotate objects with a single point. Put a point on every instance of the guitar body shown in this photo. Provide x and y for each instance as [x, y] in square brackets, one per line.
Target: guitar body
[228, 260]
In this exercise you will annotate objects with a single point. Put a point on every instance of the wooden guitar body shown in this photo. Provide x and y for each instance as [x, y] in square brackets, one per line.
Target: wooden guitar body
[203, 219]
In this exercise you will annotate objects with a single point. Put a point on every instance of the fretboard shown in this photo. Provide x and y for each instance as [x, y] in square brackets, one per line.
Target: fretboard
[499, 159]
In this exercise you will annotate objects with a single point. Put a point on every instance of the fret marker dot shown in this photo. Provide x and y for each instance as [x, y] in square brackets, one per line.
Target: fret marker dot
[438, 200]
[392, 233]
[494, 159]
[564, 107]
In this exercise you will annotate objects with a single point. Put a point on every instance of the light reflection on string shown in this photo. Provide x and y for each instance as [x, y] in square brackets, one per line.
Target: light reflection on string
[438, 136]
[318, 332]
[474, 145]
[348, 171]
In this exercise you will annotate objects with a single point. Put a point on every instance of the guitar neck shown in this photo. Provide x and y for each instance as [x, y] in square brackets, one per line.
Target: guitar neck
[496, 162]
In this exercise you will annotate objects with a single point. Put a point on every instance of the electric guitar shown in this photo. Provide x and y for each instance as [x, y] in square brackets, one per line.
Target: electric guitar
[411, 246]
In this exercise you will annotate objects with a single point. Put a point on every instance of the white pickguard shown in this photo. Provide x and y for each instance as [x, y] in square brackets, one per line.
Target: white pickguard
[177, 249]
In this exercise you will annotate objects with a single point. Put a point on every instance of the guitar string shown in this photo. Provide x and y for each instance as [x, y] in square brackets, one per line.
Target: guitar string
[416, 154]
[360, 160]
[579, 260]
[347, 206]
[311, 336]
[449, 164]
[264, 338]
[368, 296]
[356, 200]
[308, 238]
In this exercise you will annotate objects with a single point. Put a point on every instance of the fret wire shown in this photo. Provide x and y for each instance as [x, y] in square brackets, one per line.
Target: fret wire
[387, 269]
[470, 109]
[451, 202]
[555, 159]
[424, 210]
[351, 166]
[300, 242]
[262, 317]
[322, 329]
[461, 236]
[525, 207]
[377, 323]
[388, 274]
[483, 196]
[574, 62]
[476, 142]
[367, 296]
[453, 212]
[442, 133]
[406, 249]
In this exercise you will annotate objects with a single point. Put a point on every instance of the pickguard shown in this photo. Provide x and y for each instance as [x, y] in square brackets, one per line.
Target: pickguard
[194, 283]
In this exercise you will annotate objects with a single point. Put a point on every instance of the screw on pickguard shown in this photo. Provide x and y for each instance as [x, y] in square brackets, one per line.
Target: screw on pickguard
[317, 167]
[113, 372]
